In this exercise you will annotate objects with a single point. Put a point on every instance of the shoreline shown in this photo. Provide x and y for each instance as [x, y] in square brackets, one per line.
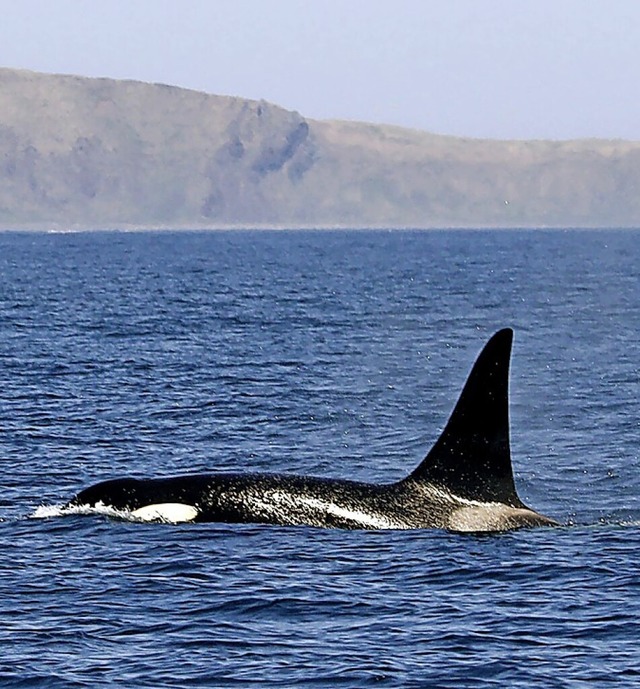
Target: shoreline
[57, 228]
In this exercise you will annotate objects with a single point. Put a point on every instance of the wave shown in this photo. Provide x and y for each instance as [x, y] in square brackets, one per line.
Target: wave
[64, 510]
[166, 513]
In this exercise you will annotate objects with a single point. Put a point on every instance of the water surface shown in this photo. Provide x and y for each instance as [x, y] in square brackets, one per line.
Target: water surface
[335, 354]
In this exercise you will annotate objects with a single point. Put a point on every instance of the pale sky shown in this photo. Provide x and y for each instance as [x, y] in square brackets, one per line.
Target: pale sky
[484, 68]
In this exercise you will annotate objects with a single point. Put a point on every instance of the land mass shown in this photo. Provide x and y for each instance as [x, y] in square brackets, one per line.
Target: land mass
[86, 152]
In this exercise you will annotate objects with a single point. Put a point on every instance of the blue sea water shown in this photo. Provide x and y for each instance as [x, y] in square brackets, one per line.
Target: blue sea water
[335, 354]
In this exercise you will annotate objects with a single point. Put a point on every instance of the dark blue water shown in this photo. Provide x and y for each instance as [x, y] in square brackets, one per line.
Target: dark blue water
[334, 354]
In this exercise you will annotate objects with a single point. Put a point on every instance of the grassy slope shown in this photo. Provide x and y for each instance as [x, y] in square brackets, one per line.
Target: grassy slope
[101, 152]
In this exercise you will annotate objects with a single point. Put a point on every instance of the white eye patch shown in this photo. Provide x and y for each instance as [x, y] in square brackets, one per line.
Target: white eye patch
[172, 512]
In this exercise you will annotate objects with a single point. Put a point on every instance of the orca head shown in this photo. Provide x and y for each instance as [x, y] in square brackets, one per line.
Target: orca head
[134, 496]
[119, 493]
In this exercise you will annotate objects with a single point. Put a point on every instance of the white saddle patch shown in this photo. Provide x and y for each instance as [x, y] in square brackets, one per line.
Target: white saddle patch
[172, 512]
[492, 516]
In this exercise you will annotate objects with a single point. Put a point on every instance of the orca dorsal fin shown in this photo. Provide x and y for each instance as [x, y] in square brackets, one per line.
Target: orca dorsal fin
[472, 456]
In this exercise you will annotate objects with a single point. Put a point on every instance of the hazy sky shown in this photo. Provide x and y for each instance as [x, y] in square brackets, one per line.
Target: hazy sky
[488, 68]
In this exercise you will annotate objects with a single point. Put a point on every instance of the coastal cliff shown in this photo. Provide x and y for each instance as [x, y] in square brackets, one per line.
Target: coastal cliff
[85, 152]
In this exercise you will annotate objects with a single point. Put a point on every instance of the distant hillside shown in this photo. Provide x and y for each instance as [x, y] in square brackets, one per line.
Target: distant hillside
[100, 152]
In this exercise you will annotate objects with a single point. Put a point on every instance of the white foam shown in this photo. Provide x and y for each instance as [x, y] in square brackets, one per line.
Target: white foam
[46, 511]
[62, 510]
[168, 512]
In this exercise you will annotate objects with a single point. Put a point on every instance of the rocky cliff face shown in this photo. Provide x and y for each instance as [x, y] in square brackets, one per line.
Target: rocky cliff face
[96, 151]
[99, 152]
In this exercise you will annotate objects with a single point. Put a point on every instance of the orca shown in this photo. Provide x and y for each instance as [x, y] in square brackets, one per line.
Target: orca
[464, 484]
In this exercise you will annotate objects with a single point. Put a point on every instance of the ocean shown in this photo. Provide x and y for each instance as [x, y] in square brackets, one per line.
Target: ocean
[330, 353]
